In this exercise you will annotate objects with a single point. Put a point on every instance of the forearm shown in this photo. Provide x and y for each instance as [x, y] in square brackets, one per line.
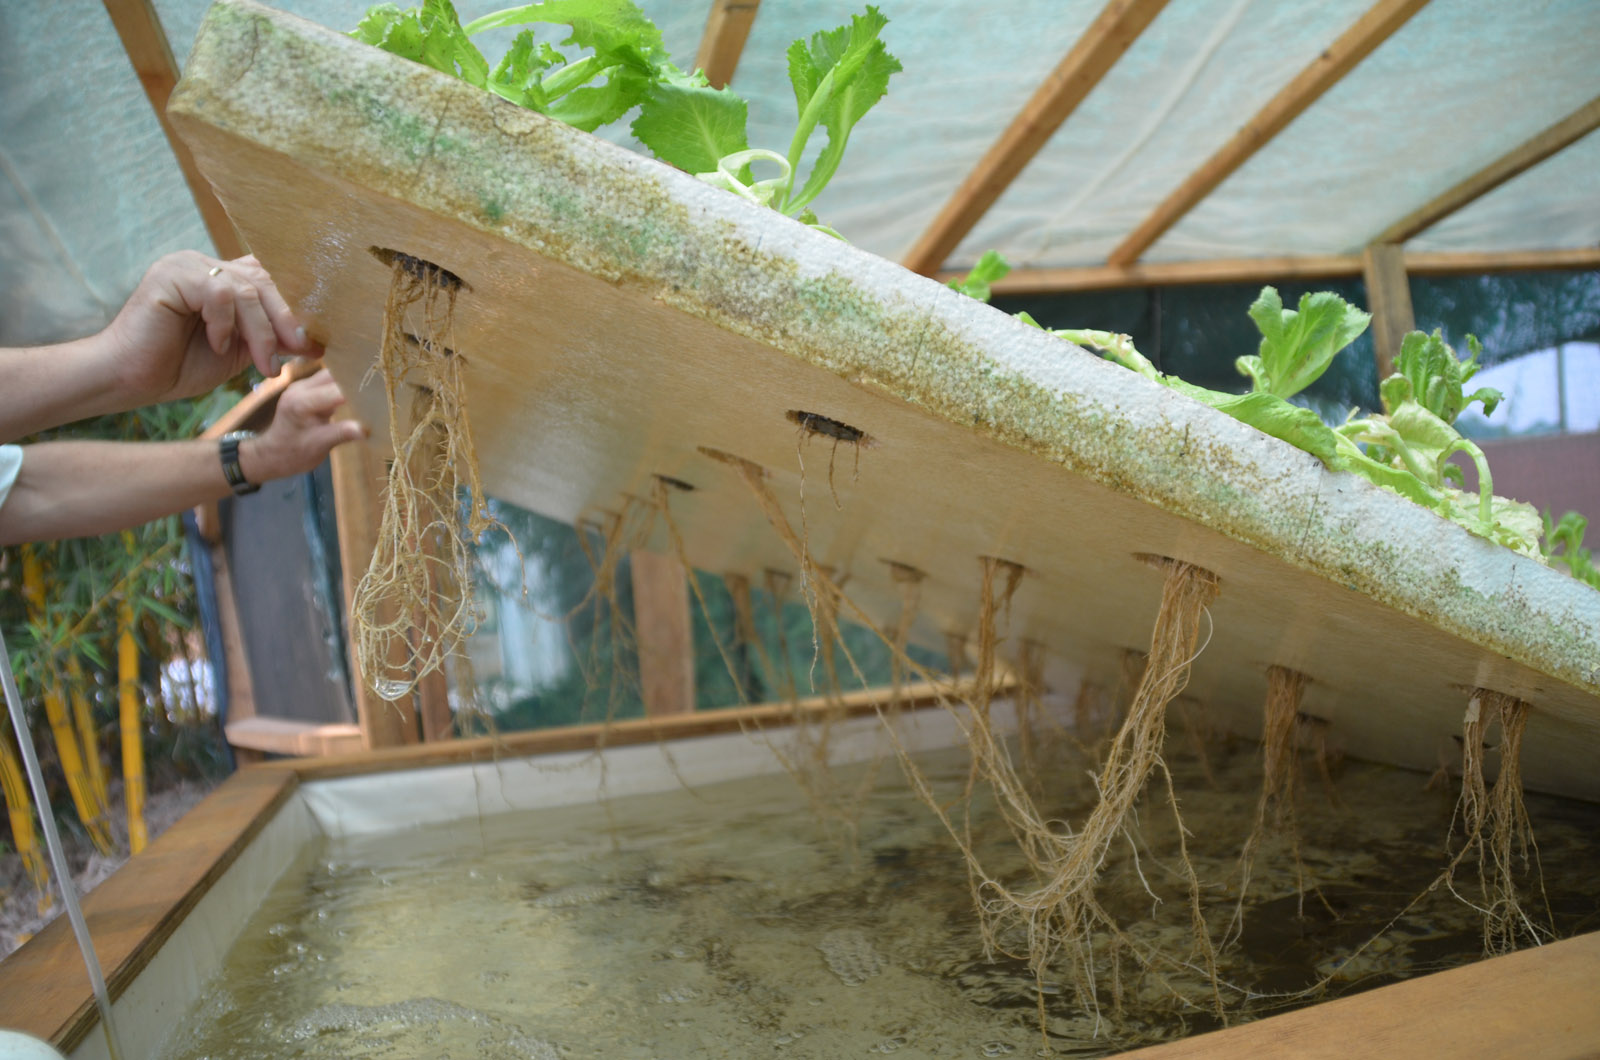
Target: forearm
[46, 386]
[80, 489]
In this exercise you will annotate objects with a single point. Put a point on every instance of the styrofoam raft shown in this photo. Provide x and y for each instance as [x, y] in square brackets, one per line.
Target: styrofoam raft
[622, 318]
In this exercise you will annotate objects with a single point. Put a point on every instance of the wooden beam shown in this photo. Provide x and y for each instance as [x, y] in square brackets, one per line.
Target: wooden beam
[43, 989]
[357, 499]
[590, 737]
[727, 29]
[1389, 300]
[151, 55]
[1340, 57]
[1118, 25]
[1567, 131]
[287, 736]
[1536, 1004]
[662, 632]
[1276, 270]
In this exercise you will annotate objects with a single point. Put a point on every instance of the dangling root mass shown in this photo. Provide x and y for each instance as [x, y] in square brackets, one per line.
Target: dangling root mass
[414, 605]
[1499, 835]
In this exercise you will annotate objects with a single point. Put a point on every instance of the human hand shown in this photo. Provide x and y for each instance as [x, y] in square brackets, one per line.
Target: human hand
[302, 431]
[194, 322]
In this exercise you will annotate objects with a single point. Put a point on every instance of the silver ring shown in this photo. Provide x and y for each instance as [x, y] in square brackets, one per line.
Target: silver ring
[216, 270]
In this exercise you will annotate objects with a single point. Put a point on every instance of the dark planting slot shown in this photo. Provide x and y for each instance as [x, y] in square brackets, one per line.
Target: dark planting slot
[675, 483]
[422, 270]
[815, 423]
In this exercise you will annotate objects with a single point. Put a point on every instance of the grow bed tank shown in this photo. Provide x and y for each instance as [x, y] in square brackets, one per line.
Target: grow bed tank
[619, 320]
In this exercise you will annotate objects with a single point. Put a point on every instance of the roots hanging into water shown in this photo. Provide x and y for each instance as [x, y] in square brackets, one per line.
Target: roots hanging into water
[1059, 921]
[778, 584]
[1061, 917]
[414, 605]
[909, 580]
[1275, 807]
[955, 652]
[1499, 835]
[807, 759]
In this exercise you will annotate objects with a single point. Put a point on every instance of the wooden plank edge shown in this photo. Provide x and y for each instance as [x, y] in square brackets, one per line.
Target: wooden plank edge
[721, 45]
[1278, 269]
[631, 731]
[148, 50]
[1105, 41]
[43, 988]
[1519, 160]
[1535, 1003]
[1377, 25]
[289, 736]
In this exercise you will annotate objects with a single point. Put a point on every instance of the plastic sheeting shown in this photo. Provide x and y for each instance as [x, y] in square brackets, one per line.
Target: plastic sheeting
[366, 804]
[89, 193]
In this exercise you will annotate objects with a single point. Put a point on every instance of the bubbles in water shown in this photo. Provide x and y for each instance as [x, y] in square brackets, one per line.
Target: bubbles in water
[890, 1045]
[997, 1048]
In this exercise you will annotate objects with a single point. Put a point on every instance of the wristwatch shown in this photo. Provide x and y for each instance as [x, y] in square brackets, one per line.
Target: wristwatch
[228, 449]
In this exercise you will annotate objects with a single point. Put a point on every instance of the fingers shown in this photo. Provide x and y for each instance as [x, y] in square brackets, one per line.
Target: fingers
[303, 430]
[241, 307]
[312, 398]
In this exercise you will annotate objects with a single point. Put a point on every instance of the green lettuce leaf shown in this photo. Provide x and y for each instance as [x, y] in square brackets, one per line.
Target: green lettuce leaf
[691, 125]
[990, 268]
[837, 76]
[431, 35]
[1298, 345]
[1437, 378]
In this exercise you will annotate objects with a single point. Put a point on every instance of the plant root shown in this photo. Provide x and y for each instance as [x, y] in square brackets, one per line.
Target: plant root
[1499, 834]
[1275, 807]
[420, 578]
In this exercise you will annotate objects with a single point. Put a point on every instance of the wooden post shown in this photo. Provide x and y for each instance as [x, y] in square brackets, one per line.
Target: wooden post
[727, 29]
[151, 55]
[662, 630]
[357, 482]
[1389, 299]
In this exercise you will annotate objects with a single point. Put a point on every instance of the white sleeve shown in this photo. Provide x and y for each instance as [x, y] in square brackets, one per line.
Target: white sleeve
[10, 464]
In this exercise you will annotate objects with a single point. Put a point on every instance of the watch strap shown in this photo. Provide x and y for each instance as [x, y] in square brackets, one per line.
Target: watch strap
[228, 450]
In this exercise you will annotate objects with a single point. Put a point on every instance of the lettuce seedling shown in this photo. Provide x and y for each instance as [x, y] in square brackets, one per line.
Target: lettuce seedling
[990, 269]
[1567, 535]
[838, 75]
[1298, 345]
[1416, 434]
[431, 35]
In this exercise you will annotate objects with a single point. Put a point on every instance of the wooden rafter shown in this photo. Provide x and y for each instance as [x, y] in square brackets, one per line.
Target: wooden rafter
[151, 55]
[1389, 300]
[1102, 44]
[1567, 131]
[727, 28]
[1277, 270]
[1338, 59]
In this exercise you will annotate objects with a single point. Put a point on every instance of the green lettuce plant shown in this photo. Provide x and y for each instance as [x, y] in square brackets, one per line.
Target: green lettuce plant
[613, 62]
[1406, 449]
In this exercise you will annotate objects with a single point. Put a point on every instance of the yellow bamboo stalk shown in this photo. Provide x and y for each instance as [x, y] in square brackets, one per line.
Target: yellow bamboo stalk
[132, 729]
[90, 812]
[19, 808]
[88, 735]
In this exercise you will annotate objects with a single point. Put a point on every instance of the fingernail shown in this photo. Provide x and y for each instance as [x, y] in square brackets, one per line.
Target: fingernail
[300, 338]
